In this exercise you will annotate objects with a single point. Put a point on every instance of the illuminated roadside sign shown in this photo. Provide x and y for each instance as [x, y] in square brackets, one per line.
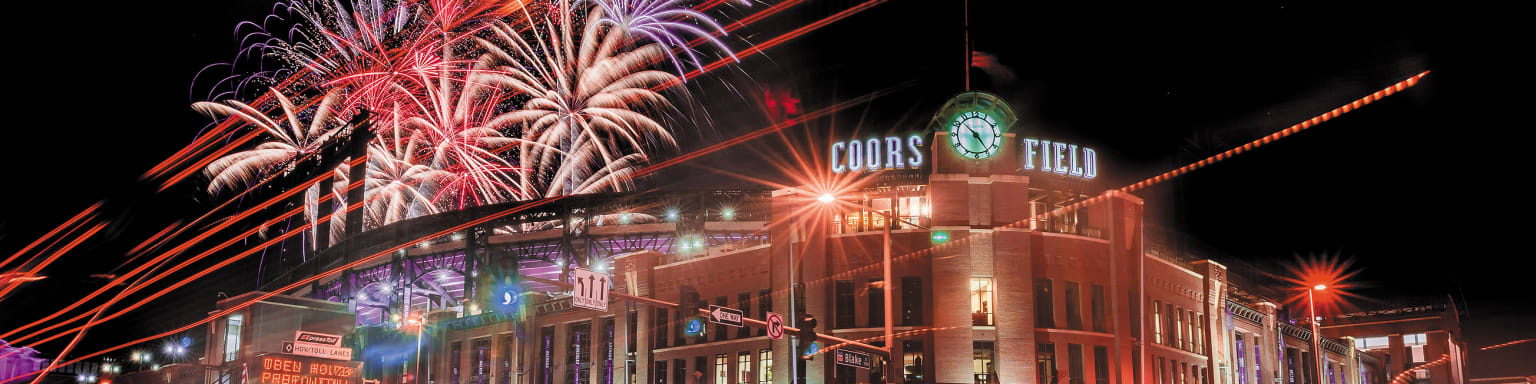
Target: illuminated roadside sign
[881, 153]
[288, 369]
[1059, 158]
[317, 338]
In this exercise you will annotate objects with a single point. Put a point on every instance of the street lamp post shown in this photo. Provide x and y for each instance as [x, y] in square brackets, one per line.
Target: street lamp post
[891, 370]
[1317, 337]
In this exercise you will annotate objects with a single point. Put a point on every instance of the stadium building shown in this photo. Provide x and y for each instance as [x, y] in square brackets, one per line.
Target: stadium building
[1010, 265]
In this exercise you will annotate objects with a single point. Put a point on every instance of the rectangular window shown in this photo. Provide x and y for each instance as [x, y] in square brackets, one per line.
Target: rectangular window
[744, 304]
[679, 371]
[981, 363]
[912, 362]
[232, 337]
[660, 330]
[1168, 327]
[661, 372]
[1258, 361]
[1045, 314]
[1045, 363]
[876, 303]
[981, 301]
[1098, 309]
[1183, 373]
[1100, 364]
[1157, 322]
[911, 301]
[1074, 306]
[1242, 363]
[843, 298]
[1074, 364]
[722, 369]
[700, 364]
[482, 364]
[508, 342]
[1369, 343]
[744, 367]
[1179, 325]
[764, 305]
[1199, 328]
[765, 366]
[455, 355]
[1161, 372]
[578, 337]
[608, 346]
[720, 330]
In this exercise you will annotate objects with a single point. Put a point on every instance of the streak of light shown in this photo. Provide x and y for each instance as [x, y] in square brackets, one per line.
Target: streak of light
[316, 277]
[1402, 377]
[55, 255]
[764, 131]
[759, 47]
[964, 240]
[182, 247]
[218, 131]
[484, 219]
[1497, 346]
[67, 223]
[136, 287]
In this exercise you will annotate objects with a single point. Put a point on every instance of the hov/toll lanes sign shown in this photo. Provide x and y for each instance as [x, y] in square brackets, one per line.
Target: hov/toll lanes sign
[775, 325]
[723, 315]
[590, 290]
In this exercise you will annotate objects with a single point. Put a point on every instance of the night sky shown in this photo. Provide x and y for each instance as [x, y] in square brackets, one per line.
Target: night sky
[1417, 190]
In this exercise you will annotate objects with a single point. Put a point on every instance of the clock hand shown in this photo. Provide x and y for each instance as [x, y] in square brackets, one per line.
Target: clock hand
[977, 135]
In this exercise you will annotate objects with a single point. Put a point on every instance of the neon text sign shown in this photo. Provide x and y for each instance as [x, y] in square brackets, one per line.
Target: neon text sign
[890, 152]
[1059, 158]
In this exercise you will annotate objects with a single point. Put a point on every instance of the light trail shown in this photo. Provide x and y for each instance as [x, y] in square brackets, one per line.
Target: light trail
[759, 47]
[89, 211]
[133, 288]
[532, 204]
[55, 255]
[1497, 346]
[957, 242]
[318, 276]
[183, 247]
[205, 139]
[1402, 377]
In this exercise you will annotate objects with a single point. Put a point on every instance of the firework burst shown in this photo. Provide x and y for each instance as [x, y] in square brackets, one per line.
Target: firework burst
[666, 23]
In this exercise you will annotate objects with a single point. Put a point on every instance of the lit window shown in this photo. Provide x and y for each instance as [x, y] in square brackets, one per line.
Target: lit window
[982, 370]
[722, 369]
[981, 301]
[744, 367]
[1370, 343]
[1414, 339]
[1157, 322]
[765, 366]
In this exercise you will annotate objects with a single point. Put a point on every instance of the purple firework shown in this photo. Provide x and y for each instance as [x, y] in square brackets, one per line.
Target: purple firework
[665, 22]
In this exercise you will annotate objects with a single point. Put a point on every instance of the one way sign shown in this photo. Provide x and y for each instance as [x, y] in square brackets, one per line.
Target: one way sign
[723, 315]
[590, 290]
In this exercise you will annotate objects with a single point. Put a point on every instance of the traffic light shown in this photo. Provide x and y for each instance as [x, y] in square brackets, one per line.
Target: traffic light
[807, 336]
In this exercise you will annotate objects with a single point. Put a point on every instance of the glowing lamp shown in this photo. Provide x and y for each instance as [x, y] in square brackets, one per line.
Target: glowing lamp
[1319, 287]
[939, 237]
[825, 198]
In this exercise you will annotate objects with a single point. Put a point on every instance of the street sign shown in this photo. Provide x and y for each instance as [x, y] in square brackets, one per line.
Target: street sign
[317, 350]
[852, 358]
[723, 315]
[775, 326]
[590, 290]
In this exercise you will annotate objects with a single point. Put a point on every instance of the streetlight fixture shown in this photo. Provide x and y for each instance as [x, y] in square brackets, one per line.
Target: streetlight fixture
[1317, 337]
[891, 218]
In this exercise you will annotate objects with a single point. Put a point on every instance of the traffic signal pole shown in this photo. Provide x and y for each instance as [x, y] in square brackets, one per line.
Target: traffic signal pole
[744, 319]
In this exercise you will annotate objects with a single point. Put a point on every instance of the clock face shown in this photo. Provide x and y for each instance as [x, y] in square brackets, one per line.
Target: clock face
[975, 135]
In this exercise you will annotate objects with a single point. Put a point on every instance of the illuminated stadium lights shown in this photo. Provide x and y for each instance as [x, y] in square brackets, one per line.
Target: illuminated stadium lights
[728, 214]
[624, 218]
[672, 214]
